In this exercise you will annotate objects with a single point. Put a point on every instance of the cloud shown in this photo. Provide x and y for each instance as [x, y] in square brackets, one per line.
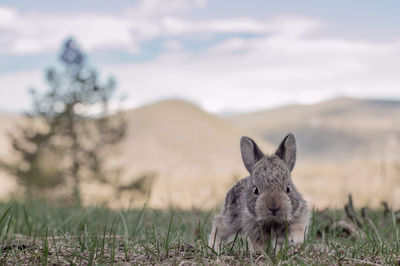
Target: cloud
[14, 89]
[201, 3]
[253, 73]
[41, 32]
[146, 9]
[7, 15]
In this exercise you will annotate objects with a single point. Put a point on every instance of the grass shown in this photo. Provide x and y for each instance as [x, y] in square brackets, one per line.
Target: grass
[41, 233]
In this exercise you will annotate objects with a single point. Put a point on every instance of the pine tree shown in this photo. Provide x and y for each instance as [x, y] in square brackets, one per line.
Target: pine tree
[70, 128]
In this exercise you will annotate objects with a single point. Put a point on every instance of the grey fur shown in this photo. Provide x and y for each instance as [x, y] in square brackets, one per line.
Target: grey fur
[265, 205]
[250, 152]
[287, 151]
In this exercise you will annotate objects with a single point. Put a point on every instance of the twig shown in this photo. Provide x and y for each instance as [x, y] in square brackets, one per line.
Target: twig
[349, 228]
[350, 212]
[363, 262]
[364, 213]
[386, 209]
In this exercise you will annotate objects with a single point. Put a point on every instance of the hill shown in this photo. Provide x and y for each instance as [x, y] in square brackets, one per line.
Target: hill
[193, 156]
[335, 129]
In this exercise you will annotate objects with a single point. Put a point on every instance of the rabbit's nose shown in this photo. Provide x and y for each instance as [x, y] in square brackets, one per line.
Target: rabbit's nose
[274, 210]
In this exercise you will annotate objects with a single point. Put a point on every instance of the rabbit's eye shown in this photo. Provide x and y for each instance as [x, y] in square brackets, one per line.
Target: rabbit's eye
[287, 189]
[255, 191]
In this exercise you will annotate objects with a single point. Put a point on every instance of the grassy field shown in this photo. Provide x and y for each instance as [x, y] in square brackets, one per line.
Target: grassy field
[39, 233]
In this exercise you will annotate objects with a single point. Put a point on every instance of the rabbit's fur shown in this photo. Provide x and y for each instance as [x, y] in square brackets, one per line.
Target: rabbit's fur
[266, 205]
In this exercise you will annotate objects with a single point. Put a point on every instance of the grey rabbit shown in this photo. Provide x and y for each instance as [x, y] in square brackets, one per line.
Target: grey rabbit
[266, 205]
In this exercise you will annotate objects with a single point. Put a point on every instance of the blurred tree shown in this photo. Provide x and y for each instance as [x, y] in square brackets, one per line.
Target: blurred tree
[71, 127]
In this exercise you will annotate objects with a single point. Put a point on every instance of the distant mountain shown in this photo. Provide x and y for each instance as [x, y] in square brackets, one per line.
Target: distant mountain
[335, 129]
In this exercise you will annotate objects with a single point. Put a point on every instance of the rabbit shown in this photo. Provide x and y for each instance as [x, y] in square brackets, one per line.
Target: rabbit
[266, 205]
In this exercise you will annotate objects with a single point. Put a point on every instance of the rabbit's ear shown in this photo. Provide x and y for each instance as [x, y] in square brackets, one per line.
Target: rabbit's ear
[287, 151]
[250, 152]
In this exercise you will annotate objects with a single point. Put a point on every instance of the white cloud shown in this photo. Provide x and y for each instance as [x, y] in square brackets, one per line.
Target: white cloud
[293, 25]
[7, 15]
[38, 33]
[249, 74]
[147, 9]
[41, 32]
[279, 25]
[14, 89]
[201, 3]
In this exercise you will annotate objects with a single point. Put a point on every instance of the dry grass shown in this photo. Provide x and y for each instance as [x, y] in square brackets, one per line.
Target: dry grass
[370, 181]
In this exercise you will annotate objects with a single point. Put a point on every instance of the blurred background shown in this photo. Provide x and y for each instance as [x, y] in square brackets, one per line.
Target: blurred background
[140, 101]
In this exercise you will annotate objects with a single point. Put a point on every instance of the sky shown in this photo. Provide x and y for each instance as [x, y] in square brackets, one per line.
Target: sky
[224, 55]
